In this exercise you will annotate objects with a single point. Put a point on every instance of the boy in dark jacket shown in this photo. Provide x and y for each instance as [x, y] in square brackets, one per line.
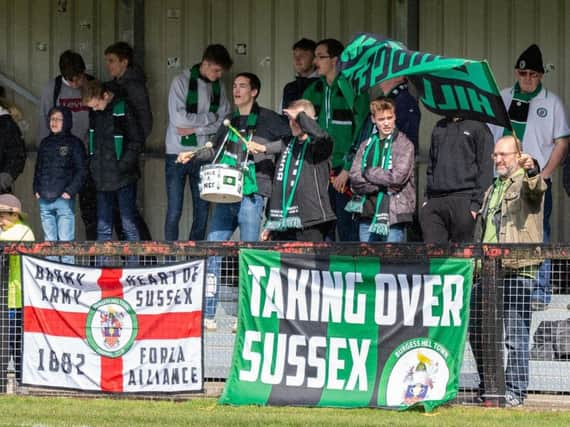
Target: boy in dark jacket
[300, 208]
[115, 143]
[12, 149]
[59, 175]
[129, 81]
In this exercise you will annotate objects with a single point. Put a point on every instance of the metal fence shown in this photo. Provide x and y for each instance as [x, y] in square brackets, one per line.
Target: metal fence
[505, 327]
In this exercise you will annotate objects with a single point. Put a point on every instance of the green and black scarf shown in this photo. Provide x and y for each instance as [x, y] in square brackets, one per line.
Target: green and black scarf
[235, 152]
[192, 101]
[119, 125]
[377, 152]
[288, 216]
[518, 110]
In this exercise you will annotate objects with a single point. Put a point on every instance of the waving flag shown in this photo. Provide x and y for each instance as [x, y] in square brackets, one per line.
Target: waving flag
[446, 86]
[111, 329]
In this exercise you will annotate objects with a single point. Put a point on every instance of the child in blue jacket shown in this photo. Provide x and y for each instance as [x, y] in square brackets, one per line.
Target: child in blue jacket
[59, 175]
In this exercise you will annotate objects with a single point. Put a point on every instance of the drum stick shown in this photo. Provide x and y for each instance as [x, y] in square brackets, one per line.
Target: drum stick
[188, 155]
[228, 124]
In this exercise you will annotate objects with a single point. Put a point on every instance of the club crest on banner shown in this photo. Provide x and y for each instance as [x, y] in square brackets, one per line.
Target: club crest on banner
[417, 371]
[111, 327]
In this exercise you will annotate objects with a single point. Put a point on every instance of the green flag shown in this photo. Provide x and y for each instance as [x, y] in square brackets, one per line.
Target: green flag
[348, 332]
[446, 86]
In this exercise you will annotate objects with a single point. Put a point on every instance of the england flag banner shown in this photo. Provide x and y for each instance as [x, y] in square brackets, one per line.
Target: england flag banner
[113, 330]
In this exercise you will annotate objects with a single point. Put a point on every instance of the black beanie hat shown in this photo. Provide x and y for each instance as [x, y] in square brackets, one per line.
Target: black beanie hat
[531, 59]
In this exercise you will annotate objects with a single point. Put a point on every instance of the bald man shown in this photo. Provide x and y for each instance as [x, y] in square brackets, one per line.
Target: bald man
[515, 198]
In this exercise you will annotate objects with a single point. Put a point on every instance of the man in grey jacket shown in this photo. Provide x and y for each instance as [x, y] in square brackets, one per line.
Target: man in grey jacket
[197, 104]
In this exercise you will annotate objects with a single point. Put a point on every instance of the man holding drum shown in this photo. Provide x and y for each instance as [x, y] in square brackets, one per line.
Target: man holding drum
[197, 103]
[248, 141]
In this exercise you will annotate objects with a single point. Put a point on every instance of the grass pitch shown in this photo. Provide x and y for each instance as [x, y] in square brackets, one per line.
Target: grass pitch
[65, 411]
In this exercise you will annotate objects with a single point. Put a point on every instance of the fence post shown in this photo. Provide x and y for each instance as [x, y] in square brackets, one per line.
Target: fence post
[492, 330]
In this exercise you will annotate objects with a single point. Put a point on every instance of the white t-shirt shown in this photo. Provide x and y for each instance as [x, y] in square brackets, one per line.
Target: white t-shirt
[546, 122]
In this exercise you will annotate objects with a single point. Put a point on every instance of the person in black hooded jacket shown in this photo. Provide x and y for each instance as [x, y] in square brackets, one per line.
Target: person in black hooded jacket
[114, 146]
[59, 175]
[129, 82]
[12, 149]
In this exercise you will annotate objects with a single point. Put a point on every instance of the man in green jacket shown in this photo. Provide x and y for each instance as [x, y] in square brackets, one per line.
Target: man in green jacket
[341, 113]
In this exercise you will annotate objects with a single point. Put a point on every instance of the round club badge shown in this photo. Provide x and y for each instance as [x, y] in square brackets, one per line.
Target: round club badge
[541, 112]
[416, 371]
[111, 327]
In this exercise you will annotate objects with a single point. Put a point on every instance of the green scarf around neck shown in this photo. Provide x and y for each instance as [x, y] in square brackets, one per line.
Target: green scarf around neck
[290, 178]
[381, 156]
[192, 102]
[235, 154]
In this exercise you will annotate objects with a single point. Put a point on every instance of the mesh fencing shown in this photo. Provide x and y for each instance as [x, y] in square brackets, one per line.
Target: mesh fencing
[519, 333]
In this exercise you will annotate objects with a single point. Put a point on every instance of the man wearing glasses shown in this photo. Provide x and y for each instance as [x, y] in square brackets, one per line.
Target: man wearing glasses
[511, 213]
[539, 120]
[341, 113]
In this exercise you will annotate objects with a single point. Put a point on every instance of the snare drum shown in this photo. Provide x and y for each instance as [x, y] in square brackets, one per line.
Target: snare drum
[220, 184]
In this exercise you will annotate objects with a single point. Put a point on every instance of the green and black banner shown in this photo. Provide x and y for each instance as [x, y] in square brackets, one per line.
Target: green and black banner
[446, 86]
[348, 331]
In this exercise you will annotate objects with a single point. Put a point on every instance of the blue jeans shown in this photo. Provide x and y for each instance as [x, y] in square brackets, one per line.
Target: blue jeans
[396, 234]
[543, 291]
[517, 317]
[126, 199]
[58, 222]
[346, 225]
[226, 217]
[176, 175]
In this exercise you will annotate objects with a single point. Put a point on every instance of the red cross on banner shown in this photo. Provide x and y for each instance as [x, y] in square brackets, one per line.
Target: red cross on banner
[113, 330]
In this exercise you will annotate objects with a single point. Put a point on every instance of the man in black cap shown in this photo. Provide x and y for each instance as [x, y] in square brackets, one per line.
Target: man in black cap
[539, 120]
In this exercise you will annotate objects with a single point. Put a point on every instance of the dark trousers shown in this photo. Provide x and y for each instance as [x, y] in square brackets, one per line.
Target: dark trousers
[517, 317]
[447, 219]
[88, 207]
[315, 233]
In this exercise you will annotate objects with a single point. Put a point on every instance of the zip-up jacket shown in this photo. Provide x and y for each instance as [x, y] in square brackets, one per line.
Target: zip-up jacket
[311, 197]
[398, 179]
[270, 131]
[111, 171]
[60, 166]
[12, 146]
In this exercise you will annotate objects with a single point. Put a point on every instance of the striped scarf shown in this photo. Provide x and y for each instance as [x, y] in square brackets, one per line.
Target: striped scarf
[376, 153]
[192, 101]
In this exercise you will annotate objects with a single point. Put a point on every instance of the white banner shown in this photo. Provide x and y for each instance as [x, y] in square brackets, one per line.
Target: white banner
[112, 329]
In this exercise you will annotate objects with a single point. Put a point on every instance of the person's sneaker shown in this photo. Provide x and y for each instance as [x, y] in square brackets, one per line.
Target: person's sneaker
[210, 324]
[513, 401]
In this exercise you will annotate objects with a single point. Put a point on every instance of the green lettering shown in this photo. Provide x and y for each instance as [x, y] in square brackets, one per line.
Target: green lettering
[461, 97]
[428, 98]
[480, 103]
[449, 104]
